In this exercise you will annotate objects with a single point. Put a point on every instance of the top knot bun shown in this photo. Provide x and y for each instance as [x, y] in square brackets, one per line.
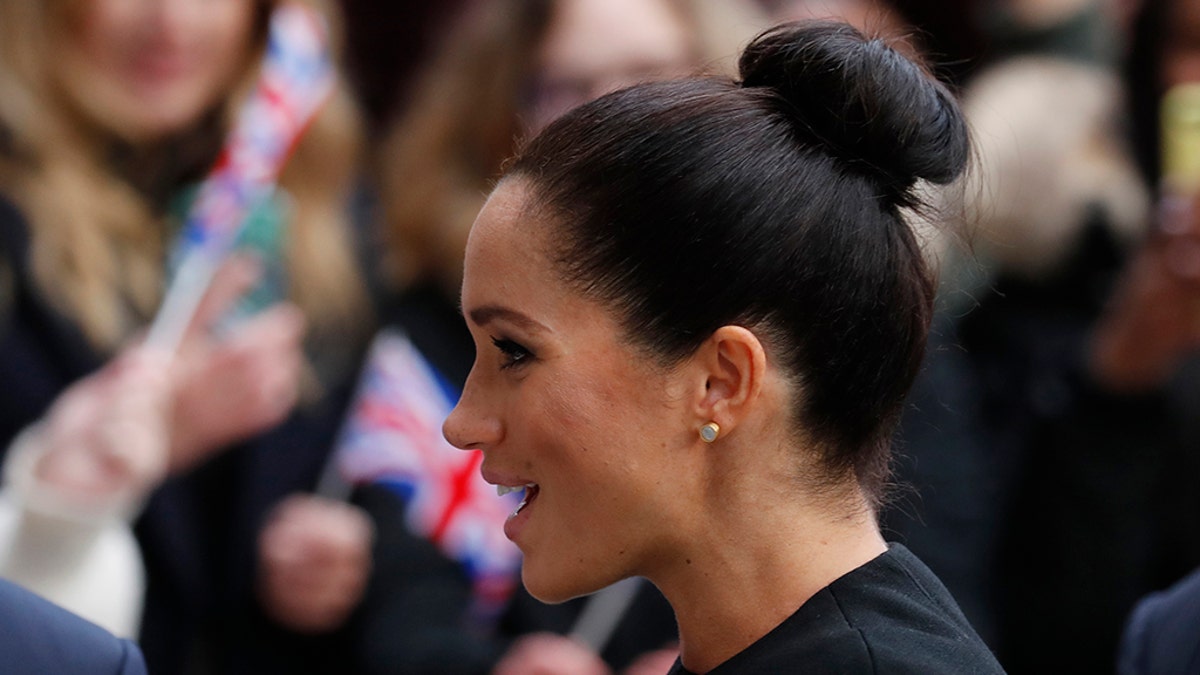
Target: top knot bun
[863, 100]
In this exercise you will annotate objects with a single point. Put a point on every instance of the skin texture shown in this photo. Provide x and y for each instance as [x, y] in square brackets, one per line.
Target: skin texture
[149, 68]
[731, 532]
[562, 410]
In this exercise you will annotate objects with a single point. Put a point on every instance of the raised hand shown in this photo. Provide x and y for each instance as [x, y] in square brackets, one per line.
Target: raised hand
[550, 654]
[314, 562]
[1153, 321]
[108, 433]
[236, 384]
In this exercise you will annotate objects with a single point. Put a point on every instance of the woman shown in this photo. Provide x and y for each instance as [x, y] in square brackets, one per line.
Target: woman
[110, 113]
[697, 310]
[505, 69]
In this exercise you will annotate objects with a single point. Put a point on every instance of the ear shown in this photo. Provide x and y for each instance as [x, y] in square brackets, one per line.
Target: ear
[733, 365]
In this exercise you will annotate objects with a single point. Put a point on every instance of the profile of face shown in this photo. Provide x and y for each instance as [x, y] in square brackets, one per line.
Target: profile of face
[145, 69]
[593, 47]
[559, 398]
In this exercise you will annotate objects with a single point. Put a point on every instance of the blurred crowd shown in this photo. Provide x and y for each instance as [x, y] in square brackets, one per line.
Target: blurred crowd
[194, 499]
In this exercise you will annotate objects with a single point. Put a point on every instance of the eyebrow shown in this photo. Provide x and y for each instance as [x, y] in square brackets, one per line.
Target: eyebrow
[482, 316]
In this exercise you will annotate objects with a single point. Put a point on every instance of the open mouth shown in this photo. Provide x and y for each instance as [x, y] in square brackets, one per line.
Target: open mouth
[531, 491]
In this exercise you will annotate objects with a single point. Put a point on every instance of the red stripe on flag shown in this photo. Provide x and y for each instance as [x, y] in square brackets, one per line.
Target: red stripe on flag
[460, 486]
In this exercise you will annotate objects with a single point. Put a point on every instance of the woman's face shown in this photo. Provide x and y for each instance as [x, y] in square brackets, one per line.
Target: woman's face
[593, 47]
[144, 69]
[559, 398]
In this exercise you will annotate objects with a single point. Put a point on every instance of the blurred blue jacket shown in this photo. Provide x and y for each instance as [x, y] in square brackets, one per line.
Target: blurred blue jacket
[38, 637]
[1162, 636]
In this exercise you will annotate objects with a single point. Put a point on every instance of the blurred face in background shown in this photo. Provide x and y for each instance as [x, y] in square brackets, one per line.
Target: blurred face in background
[593, 47]
[145, 69]
[870, 16]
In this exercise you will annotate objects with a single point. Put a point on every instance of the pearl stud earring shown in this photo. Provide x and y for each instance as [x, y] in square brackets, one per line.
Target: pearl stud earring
[708, 432]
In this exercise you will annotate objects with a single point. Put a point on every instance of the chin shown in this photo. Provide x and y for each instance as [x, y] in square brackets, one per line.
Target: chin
[552, 588]
[557, 583]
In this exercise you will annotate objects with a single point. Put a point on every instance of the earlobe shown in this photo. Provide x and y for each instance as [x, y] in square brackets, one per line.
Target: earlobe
[734, 363]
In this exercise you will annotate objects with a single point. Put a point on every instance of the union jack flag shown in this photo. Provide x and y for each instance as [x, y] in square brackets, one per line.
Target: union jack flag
[297, 77]
[393, 435]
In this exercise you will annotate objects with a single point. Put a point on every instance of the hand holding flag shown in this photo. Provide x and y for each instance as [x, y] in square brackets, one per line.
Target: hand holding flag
[297, 77]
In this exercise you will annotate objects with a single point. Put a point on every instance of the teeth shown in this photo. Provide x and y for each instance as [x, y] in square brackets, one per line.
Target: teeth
[502, 490]
[524, 500]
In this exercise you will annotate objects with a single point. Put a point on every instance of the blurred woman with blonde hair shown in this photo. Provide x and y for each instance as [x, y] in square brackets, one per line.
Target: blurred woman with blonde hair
[111, 113]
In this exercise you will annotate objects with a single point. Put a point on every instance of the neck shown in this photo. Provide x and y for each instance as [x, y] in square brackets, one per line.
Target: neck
[761, 559]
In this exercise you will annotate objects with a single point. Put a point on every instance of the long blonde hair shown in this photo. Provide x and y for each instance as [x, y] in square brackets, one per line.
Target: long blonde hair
[462, 122]
[99, 234]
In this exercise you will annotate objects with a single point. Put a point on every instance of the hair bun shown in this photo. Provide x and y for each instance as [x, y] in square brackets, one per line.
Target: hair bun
[863, 100]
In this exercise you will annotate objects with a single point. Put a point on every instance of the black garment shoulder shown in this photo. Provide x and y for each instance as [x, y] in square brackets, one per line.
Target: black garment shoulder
[892, 615]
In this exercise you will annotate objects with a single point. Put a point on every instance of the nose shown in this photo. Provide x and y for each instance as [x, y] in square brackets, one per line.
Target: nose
[471, 425]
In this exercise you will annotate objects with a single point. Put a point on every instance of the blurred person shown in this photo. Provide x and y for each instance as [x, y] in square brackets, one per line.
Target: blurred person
[868, 15]
[386, 45]
[1149, 338]
[697, 308]
[505, 69]
[1033, 480]
[74, 479]
[949, 34]
[1062, 459]
[1039, 479]
[110, 113]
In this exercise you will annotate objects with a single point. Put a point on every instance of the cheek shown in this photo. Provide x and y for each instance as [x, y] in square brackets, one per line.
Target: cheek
[227, 34]
[100, 34]
[602, 424]
[586, 403]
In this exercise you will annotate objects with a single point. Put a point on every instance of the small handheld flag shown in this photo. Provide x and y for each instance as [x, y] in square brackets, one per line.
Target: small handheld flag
[393, 435]
[297, 77]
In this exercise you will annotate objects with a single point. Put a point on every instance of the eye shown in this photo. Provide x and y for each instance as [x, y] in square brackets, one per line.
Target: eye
[513, 353]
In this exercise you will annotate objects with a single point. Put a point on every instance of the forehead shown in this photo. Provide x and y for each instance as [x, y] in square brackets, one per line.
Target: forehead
[507, 247]
[505, 225]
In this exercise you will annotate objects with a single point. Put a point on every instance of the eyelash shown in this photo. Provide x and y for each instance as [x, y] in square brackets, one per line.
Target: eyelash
[514, 354]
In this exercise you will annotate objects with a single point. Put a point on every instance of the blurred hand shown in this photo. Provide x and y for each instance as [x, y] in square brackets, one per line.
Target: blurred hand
[233, 386]
[108, 432]
[657, 662]
[1153, 321]
[314, 562]
[550, 654]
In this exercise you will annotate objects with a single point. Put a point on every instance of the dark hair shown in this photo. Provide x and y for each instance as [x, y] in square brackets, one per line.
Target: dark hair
[773, 203]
